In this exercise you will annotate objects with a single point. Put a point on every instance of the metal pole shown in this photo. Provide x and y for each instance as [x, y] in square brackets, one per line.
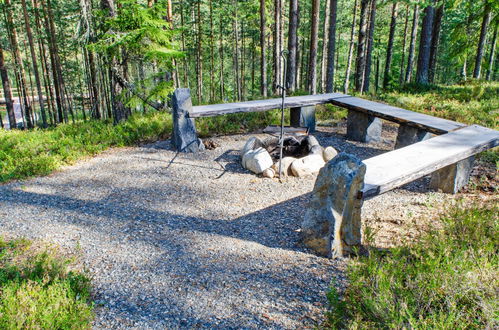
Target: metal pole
[283, 95]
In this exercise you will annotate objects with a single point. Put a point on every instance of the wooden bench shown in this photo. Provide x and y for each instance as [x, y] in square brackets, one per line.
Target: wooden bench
[363, 123]
[345, 182]
[185, 138]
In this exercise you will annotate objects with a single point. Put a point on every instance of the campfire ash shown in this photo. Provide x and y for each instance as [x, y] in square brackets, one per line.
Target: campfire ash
[302, 155]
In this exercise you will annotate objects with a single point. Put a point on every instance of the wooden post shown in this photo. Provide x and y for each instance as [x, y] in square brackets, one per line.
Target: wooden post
[184, 138]
[452, 178]
[332, 223]
[408, 135]
[303, 117]
[362, 127]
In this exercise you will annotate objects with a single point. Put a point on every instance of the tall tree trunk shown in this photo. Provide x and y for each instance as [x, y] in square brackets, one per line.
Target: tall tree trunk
[212, 53]
[185, 60]
[389, 48]
[34, 61]
[222, 71]
[350, 49]
[490, 69]
[331, 49]
[199, 53]
[406, 30]
[237, 78]
[119, 111]
[19, 64]
[435, 41]
[425, 45]
[243, 62]
[482, 40]
[53, 53]
[312, 61]
[370, 45]
[360, 62]
[412, 45]
[277, 45]
[7, 91]
[263, 50]
[292, 46]
[325, 41]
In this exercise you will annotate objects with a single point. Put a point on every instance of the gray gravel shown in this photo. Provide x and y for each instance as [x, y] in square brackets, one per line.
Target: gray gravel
[182, 241]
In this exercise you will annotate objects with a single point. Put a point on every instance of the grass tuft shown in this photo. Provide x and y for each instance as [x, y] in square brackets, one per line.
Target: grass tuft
[39, 291]
[448, 279]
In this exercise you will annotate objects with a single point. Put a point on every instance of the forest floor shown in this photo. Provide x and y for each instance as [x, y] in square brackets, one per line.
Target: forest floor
[182, 240]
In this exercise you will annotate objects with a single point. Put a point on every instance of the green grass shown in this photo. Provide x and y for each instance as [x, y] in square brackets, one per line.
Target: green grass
[39, 291]
[37, 152]
[475, 102]
[448, 279]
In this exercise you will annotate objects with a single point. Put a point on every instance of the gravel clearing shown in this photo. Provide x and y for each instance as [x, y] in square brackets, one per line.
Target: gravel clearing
[184, 241]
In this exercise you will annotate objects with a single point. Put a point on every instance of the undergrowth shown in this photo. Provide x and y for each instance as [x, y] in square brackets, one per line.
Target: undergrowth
[38, 290]
[446, 280]
[36, 152]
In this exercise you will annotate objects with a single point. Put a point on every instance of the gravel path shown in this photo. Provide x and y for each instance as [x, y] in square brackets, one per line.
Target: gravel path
[182, 240]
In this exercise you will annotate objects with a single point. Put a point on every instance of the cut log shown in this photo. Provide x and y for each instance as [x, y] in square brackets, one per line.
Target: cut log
[428, 123]
[396, 168]
[262, 105]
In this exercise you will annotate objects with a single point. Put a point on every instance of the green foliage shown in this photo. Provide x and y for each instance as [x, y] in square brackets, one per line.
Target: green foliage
[448, 279]
[39, 152]
[140, 31]
[473, 102]
[39, 291]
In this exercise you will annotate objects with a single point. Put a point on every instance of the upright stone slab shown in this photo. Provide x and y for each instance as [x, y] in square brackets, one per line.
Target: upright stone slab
[408, 135]
[362, 127]
[303, 117]
[332, 223]
[452, 178]
[185, 138]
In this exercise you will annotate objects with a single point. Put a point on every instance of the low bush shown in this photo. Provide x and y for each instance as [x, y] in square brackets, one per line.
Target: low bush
[446, 280]
[38, 290]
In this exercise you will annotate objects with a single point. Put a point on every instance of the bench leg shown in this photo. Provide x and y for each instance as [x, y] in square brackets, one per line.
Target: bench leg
[362, 127]
[408, 135]
[332, 223]
[452, 178]
[185, 137]
[303, 117]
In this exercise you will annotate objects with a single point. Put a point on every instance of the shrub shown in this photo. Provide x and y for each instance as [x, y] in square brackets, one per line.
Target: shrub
[37, 289]
[448, 279]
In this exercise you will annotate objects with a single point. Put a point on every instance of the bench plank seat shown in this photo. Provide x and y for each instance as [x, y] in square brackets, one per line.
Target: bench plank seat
[396, 168]
[261, 105]
[398, 115]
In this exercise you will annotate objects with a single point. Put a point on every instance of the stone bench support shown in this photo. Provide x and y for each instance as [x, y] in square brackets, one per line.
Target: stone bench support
[332, 223]
[363, 127]
[452, 178]
[303, 117]
[185, 137]
[408, 135]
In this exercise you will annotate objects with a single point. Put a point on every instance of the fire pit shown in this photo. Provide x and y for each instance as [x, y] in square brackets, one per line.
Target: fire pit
[302, 155]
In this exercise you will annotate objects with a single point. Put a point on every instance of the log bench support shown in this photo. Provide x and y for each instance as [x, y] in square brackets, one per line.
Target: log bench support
[363, 127]
[452, 178]
[303, 117]
[408, 135]
[332, 223]
[185, 137]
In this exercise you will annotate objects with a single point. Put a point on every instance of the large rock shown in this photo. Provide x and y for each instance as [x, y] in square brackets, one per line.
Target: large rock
[184, 137]
[332, 224]
[329, 153]
[308, 165]
[252, 144]
[257, 160]
[285, 167]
